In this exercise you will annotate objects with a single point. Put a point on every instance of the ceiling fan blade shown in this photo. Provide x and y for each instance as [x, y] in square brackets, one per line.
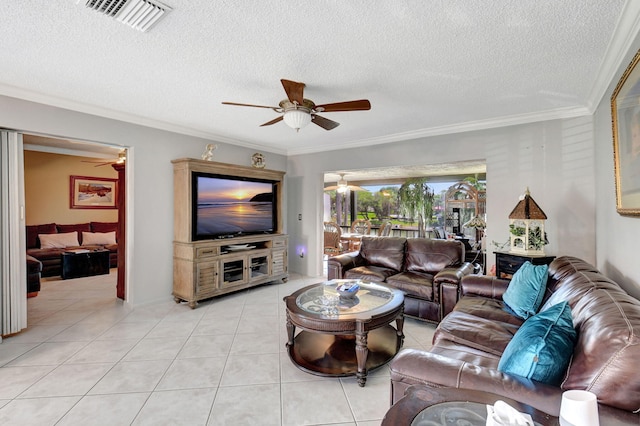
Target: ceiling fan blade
[104, 164]
[248, 105]
[295, 91]
[103, 161]
[359, 105]
[274, 121]
[325, 123]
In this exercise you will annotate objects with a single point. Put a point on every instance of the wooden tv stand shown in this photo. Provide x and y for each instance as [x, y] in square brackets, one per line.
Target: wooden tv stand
[205, 269]
[209, 268]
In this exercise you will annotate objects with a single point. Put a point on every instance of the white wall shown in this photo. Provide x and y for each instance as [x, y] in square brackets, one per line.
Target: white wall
[151, 266]
[553, 158]
[617, 235]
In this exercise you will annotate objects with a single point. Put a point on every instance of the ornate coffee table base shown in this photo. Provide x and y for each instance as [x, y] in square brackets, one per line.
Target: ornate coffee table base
[339, 356]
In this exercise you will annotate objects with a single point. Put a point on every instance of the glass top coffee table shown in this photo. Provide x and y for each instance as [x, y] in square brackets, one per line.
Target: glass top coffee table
[344, 336]
[425, 406]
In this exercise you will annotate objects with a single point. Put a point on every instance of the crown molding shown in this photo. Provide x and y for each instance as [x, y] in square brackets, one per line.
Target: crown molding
[626, 31]
[83, 108]
[493, 123]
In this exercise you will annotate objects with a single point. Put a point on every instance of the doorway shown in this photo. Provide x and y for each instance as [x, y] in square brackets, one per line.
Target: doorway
[51, 166]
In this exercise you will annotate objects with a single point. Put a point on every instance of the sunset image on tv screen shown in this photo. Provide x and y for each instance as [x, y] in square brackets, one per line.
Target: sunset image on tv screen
[228, 207]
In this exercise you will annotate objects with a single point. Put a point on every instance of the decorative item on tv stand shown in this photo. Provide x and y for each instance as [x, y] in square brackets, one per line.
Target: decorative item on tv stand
[526, 227]
[207, 155]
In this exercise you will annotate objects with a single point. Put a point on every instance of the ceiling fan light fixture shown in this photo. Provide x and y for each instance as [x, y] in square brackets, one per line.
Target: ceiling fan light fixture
[342, 185]
[297, 118]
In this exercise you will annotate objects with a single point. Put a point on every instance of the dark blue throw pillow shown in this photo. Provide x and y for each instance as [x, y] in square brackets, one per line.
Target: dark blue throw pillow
[542, 348]
[526, 289]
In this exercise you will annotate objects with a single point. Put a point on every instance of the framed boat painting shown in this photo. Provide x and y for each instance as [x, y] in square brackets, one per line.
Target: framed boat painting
[625, 117]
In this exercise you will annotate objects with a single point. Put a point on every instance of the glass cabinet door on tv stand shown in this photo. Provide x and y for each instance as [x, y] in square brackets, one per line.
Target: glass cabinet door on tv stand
[242, 269]
[234, 271]
[259, 266]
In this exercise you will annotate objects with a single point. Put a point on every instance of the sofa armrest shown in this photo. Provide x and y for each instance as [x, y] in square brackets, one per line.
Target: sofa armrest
[417, 367]
[448, 282]
[482, 285]
[338, 265]
[413, 366]
[453, 274]
[34, 271]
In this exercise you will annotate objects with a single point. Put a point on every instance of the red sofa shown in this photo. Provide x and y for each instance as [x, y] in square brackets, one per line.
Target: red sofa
[51, 257]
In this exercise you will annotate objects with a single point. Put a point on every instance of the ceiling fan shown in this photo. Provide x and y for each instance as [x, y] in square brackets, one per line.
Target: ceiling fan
[122, 158]
[297, 111]
[342, 186]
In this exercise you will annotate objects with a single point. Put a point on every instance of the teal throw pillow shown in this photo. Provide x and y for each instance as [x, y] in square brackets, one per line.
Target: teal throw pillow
[526, 289]
[542, 348]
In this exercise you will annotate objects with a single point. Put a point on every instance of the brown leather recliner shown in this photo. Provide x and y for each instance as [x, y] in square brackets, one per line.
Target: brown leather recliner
[468, 343]
[417, 266]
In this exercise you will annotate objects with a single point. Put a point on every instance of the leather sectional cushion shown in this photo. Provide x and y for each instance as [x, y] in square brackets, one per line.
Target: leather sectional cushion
[427, 255]
[46, 254]
[467, 354]
[104, 226]
[387, 252]
[475, 332]
[77, 227]
[415, 283]
[488, 308]
[369, 273]
[33, 230]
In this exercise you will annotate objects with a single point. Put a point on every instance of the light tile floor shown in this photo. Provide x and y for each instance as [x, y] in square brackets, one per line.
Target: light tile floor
[86, 359]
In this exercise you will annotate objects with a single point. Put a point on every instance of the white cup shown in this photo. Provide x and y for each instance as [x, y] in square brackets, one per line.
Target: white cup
[579, 408]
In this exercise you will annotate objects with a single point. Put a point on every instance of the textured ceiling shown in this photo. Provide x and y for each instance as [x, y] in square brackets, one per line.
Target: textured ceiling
[428, 67]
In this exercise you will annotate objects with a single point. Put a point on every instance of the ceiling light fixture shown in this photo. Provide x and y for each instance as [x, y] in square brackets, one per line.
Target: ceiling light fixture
[297, 117]
[342, 186]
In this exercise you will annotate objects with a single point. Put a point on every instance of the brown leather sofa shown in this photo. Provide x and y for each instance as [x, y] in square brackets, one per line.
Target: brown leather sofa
[51, 257]
[468, 343]
[418, 266]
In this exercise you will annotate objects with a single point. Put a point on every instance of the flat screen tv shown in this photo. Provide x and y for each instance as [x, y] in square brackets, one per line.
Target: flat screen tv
[232, 206]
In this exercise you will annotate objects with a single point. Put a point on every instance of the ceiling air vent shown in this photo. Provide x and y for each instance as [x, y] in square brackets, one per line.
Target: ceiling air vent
[138, 14]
